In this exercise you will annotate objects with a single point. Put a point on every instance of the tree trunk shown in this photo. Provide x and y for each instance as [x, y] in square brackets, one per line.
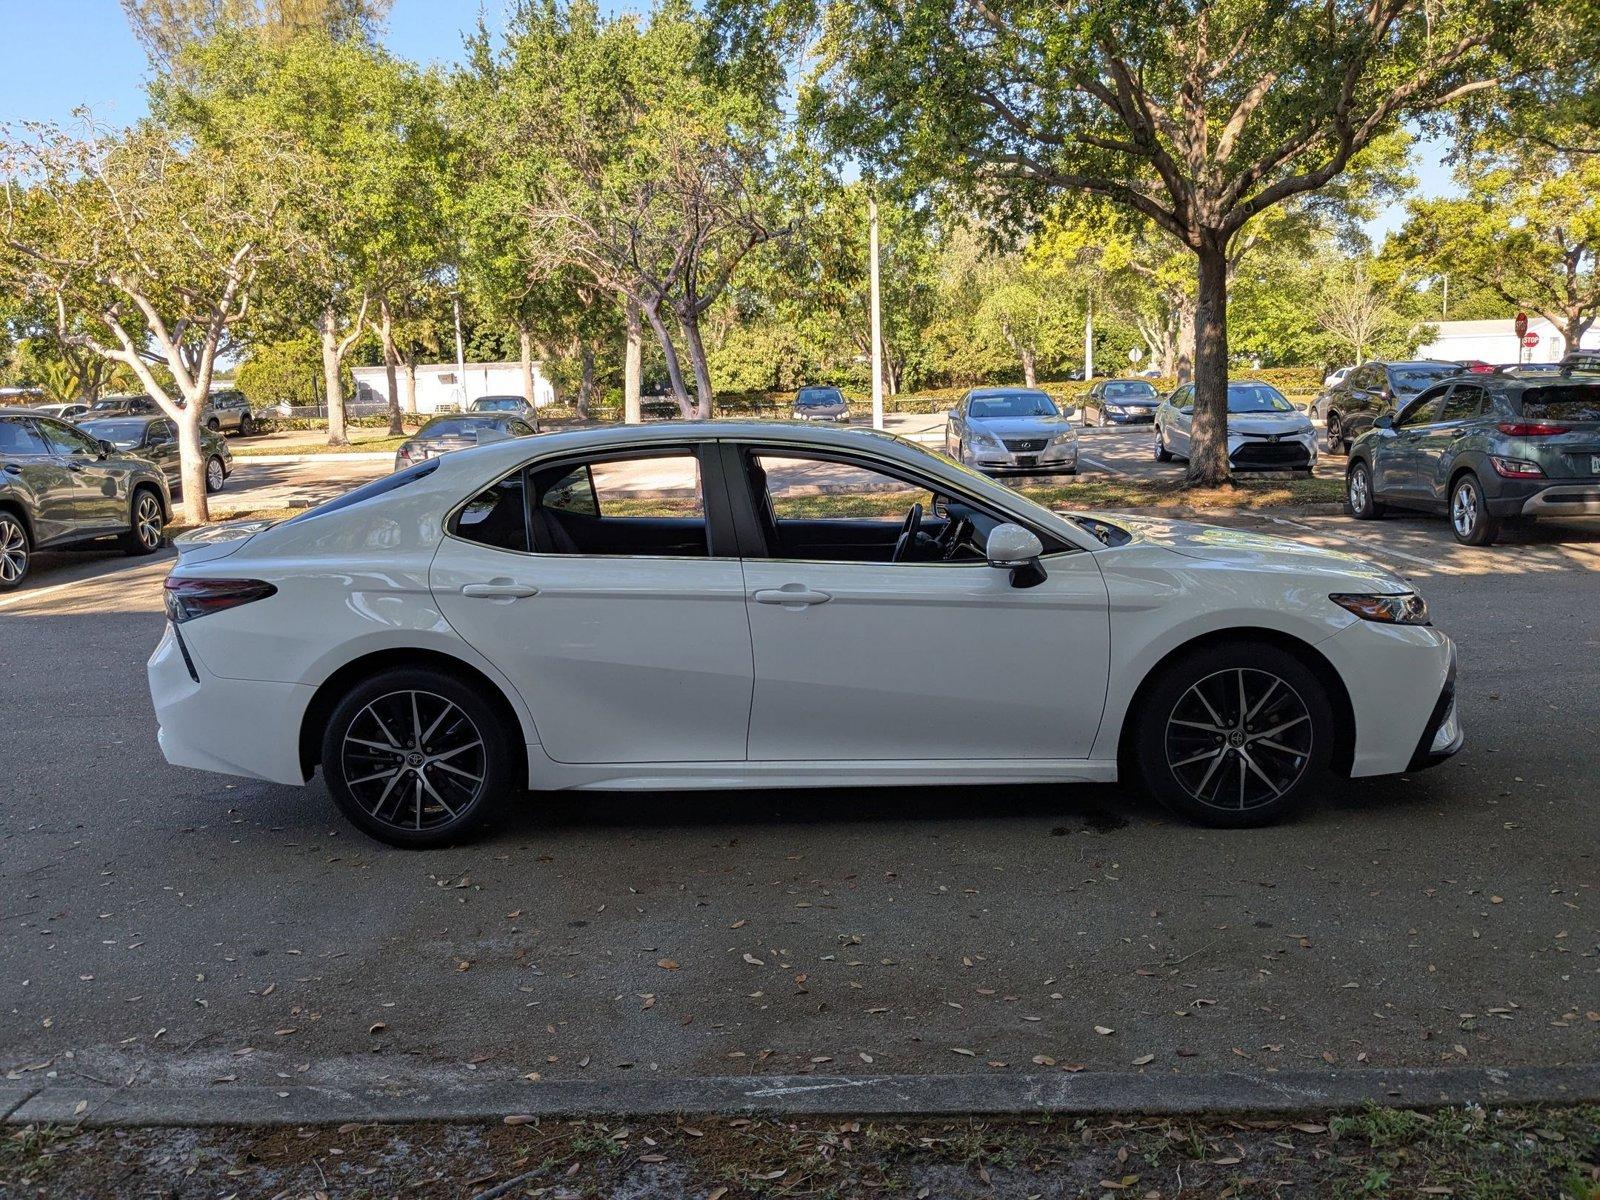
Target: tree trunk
[632, 366]
[391, 360]
[192, 463]
[1184, 348]
[1029, 375]
[1208, 453]
[689, 322]
[525, 351]
[328, 327]
[408, 389]
[680, 393]
[586, 383]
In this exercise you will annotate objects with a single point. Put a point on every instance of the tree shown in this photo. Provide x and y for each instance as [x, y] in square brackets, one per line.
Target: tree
[167, 28]
[1528, 230]
[151, 251]
[1351, 309]
[1200, 116]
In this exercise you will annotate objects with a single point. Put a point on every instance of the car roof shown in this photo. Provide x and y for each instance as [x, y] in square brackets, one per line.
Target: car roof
[1021, 389]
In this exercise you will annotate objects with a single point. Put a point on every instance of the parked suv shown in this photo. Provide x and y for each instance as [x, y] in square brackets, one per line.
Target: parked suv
[59, 485]
[1370, 391]
[229, 412]
[1483, 448]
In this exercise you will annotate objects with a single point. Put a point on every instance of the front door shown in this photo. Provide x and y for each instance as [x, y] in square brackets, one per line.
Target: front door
[30, 468]
[1394, 461]
[97, 501]
[858, 657]
[1437, 441]
[608, 600]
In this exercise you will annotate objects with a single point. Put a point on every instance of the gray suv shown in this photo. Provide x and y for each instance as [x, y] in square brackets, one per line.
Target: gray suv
[59, 486]
[229, 412]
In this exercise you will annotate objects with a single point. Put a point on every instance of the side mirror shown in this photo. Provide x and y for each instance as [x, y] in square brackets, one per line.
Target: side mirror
[1386, 421]
[1012, 548]
[953, 415]
[106, 448]
[1187, 410]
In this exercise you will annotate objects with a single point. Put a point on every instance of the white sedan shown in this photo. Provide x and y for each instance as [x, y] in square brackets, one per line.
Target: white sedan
[1265, 431]
[750, 605]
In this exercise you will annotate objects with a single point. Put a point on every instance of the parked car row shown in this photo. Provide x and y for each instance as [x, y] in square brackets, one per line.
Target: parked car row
[226, 411]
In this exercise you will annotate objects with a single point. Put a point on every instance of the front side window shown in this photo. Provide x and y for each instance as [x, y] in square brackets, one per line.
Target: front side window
[64, 439]
[1421, 410]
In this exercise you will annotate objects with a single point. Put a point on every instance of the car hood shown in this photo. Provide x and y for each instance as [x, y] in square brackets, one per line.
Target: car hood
[1021, 426]
[1269, 423]
[1238, 547]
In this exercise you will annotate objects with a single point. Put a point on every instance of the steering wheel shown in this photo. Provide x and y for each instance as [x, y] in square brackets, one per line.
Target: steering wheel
[908, 534]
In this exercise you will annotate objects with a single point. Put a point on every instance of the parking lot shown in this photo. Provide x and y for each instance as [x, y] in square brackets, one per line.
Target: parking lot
[161, 925]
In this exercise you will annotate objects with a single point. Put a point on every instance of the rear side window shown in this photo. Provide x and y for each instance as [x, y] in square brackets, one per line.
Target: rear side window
[1562, 402]
[1465, 402]
[497, 516]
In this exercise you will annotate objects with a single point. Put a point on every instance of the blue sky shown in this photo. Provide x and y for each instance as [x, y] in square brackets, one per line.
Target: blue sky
[64, 53]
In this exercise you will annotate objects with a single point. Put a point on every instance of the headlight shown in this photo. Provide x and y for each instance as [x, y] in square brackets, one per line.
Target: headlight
[1114, 408]
[1406, 608]
[987, 440]
[1061, 439]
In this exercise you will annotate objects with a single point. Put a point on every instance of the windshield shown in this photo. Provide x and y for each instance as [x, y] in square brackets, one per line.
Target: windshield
[455, 427]
[124, 435]
[1256, 398]
[816, 397]
[113, 402]
[1562, 402]
[1129, 390]
[498, 404]
[1012, 404]
[1411, 379]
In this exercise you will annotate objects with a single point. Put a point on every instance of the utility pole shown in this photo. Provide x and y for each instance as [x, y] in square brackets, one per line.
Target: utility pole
[1088, 339]
[461, 353]
[877, 322]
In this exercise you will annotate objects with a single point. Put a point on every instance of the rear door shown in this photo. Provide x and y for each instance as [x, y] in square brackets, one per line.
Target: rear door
[609, 591]
[31, 472]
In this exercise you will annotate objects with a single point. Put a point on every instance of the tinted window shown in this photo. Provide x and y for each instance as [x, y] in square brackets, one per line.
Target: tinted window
[1256, 398]
[124, 433]
[1562, 402]
[64, 439]
[497, 516]
[1122, 390]
[19, 437]
[1465, 402]
[572, 492]
[1012, 404]
[457, 427]
[818, 396]
[499, 404]
[641, 506]
[1422, 410]
[1409, 380]
[519, 428]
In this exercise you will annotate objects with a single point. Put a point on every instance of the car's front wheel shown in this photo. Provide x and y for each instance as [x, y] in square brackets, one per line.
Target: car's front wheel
[1235, 734]
[417, 758]
[1162, 453]
[216, 474]
[247, 426]
[1470, 519]
[15, 551]
[1359, 500]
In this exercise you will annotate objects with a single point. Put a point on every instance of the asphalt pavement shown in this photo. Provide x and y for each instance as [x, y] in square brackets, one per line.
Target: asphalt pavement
[165, 926]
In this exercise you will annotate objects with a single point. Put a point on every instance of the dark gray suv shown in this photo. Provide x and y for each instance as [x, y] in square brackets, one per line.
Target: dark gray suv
[59, 486]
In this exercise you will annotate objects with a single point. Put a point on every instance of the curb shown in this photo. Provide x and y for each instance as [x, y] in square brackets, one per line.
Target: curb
[352, 456]
[900, 1096]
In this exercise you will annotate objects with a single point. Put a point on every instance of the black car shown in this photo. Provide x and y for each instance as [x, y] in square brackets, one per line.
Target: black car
[1120, 402]
[156, 438]
[1372, 390]
[120, 406]
[59, 486]
[1484, 447]
[457, 431]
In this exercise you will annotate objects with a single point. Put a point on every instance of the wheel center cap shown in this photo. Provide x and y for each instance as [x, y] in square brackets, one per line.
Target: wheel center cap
[1236, 738]
[414, 759]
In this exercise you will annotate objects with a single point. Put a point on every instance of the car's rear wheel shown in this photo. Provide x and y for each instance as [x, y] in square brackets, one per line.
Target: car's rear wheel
[1162, 453]
[1336, 440]
[214, 425]
[1358, 496]
[1470, 519]
[216, 474]
[148, 523]
[1235, 734]
[15, 551]
[416, 758]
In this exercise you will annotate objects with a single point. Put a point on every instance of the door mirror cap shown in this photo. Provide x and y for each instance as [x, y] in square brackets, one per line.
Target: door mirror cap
[954, 414]
[1011, 546]
[106, 448]
[1386, 421]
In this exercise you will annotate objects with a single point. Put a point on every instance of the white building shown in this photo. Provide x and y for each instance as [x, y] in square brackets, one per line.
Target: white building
[1496, 341]
[442, 386]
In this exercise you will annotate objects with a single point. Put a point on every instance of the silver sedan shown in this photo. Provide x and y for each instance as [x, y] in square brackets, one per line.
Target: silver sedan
[1011, 429]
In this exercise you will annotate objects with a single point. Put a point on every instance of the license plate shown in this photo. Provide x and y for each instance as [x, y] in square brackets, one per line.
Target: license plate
[1026, 460]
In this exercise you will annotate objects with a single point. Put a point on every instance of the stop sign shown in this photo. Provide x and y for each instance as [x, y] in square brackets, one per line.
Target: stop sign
[1530, 340]
[1521, 323]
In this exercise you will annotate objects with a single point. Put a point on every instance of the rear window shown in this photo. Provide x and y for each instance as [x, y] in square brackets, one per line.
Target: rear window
[457, 427]
[1562, 402]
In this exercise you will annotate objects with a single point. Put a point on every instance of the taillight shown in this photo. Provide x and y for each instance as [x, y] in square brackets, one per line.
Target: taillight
[191, 598]
[1531, 429]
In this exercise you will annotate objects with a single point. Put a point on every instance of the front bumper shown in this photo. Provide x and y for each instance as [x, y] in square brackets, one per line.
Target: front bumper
[838, 418]
[1297, 453]
[1395, 676]
[1137, 416]
[1443, 735]
[231, 726]
[1051, 458]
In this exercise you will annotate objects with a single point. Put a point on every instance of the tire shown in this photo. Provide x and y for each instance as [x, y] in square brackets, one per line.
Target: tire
[1358, 495]
[246, 425]
[1174, 742]
[1337, 442]
[1162, 453]
[16, 551]
[214, 425]
[1470, 519]
[412, 807]
[216, 475]
[148, 521]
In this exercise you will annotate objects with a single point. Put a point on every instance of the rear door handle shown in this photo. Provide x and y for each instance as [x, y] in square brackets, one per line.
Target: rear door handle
[499, 589]
[790, 595]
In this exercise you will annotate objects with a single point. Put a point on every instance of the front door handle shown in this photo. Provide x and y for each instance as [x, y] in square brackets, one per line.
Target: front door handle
[790, 595]
[11, 469]
[499, 589]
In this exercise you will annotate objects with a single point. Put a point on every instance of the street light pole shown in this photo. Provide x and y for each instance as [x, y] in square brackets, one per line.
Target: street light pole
[877, 323]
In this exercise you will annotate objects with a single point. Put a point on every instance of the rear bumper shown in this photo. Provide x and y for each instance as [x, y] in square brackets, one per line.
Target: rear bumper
[1578, 499]
[231, 726]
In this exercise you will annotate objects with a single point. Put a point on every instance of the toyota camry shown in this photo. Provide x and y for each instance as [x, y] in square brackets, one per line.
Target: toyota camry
[753, 605]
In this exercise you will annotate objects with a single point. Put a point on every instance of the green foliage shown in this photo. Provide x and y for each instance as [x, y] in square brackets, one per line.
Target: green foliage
[288, 372]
